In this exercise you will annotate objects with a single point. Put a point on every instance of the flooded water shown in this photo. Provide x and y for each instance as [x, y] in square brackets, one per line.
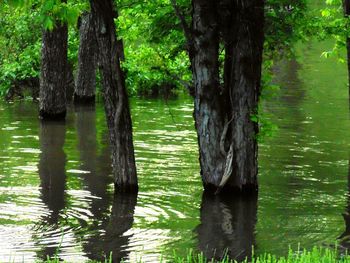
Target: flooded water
[56, 189]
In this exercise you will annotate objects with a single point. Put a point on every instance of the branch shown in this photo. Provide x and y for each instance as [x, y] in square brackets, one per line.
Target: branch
[187, 30]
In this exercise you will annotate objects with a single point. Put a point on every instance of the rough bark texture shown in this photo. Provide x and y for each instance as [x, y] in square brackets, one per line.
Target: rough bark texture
[226, 134]
[115, 97]
[227, 226]
[209, 115]
[245, 90]
[87, 62]
[53, 73]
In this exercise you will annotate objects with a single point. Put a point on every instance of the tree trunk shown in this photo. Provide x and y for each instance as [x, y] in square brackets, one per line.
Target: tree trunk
[87, 62]
[346, 6]
[115, 97]
[53, 73]
[226, 134]
[70, 85]
[209, 114]
[245, 91]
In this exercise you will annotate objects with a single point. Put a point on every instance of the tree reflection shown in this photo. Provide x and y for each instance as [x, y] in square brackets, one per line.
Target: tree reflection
[227, 226]
[52, 183]
[113, 238]
[345, 236]
[99, 167]
[104, 235]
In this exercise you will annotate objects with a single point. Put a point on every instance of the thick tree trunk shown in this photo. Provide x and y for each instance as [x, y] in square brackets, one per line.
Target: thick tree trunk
[115, 97]
[209, 114]
[244, 92]
[226, 134]
[87, 62]
[53, 73]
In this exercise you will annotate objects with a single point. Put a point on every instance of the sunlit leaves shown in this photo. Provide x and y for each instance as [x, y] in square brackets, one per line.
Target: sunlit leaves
[51, 11]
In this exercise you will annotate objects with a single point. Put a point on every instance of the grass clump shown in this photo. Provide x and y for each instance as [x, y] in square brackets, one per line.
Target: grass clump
[315, 255]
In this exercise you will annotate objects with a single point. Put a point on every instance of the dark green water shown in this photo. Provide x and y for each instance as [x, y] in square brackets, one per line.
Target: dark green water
[56, 191]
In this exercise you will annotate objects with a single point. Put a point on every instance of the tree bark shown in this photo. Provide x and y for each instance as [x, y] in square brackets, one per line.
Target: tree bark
[245, 91]
[208, 113]
[53, 73]
[115, 97]
[226, 134]
[87, 62]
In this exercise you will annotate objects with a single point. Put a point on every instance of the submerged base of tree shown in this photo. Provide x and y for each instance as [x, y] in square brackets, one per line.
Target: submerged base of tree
[229, 190]
[130, 188]
[52, 116]
[84, 100]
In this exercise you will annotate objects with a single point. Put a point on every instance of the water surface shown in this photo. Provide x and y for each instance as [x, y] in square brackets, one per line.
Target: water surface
[56, 188]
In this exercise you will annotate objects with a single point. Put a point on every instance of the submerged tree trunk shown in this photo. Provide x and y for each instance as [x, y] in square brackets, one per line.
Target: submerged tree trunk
[223, 112]
[209, 114]
[87, 61]
[53, 73]
[115, 97]
[245, 91]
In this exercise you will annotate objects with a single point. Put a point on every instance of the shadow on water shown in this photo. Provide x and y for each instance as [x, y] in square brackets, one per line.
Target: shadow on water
[227, 226]
[52, 181]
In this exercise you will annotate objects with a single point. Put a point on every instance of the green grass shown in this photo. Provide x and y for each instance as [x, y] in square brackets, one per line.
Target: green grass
[316, 255]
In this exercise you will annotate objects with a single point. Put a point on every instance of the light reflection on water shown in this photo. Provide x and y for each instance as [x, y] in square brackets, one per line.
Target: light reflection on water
[56, 189]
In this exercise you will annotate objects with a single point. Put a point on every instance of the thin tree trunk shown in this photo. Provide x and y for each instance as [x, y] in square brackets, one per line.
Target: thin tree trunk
[87, 62]
[115, 97]
[53, 73]
[70, 85]
[209, 114]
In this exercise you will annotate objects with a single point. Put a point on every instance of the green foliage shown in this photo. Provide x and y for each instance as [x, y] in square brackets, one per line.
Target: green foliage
[286, 23]
[20, 38]
[20, 42]
[156, 59]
